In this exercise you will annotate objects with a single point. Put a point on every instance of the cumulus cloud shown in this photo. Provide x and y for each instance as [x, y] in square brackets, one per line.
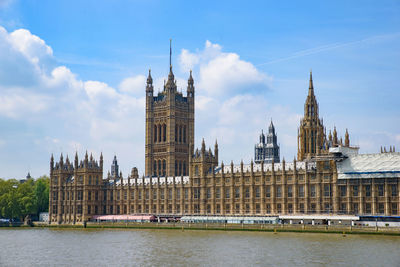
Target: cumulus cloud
[50, 110]
[133, 85]
[221, 72]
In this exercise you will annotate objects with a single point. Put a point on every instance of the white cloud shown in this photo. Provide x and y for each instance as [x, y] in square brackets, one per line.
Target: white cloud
[41, 98]
[188, 60]
[134, 85]
[222, 73]
[18, 103]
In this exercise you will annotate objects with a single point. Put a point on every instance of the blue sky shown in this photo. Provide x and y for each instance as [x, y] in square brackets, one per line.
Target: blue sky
[72, 74]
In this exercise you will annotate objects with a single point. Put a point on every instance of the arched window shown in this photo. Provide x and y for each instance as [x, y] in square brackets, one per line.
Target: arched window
[155, 133]
[184, 134]
[184, 168]
[180, 134]
[155, 168]
[176, 168]
[164, 132]
[159, 168]
[90, 179]
[180, 168]
[305, 144]
[159, 133]
[164, 167]
[312, 142]
[176, 133]
[196, 170]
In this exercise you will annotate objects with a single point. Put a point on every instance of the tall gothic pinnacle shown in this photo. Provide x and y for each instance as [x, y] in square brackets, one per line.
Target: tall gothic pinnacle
[311, 86]
[271, 127]
[149, 78]
[170, 54]
[190, 81]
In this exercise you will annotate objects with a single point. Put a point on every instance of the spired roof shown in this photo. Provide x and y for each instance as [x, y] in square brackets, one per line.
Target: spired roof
[383, 165]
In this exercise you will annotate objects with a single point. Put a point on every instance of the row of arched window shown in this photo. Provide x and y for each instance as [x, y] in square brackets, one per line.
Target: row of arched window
[160, 167]
[180, 134]
[160, 133]
[180, 168]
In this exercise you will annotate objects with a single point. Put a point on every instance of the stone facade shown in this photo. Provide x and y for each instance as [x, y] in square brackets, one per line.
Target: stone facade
[169, 128]
[311, 184]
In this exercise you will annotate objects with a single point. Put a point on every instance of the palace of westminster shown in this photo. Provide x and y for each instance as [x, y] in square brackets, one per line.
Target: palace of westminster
[328, 176]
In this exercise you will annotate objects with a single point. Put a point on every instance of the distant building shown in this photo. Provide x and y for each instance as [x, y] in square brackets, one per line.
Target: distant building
[114, 168]
[28, 177]
[269, 151]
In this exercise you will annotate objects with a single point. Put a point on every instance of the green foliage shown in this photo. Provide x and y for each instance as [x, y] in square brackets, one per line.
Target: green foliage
[29, 198]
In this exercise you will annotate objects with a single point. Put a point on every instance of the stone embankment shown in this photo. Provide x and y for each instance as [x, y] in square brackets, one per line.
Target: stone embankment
[275, 228]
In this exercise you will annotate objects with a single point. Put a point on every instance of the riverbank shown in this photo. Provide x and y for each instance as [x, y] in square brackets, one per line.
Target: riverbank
[343, 230]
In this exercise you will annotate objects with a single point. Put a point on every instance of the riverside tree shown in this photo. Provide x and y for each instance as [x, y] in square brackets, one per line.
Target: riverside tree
[20, 199]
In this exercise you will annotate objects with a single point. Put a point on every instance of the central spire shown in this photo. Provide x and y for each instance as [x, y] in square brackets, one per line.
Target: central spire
[170, 85]
[170, 54]
[311, 86]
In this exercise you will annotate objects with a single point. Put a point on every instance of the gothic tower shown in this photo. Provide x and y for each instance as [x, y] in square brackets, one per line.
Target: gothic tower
[311, 135]
[269, 151]
[169, 127]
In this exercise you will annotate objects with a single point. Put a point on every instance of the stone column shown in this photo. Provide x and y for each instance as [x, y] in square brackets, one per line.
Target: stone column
[361, 198]
[373, 197]
[387, 202]
[262, 190]
[348, 197]
[273, 187]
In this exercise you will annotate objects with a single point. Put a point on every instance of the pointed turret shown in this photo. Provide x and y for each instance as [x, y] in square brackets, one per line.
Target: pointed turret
[346, 139]
[216, 150]
[51, 162]
[311, 86]
[61, 159]
[203, 147]
[101, 160]
[335, 138]
[190, 87]
[86, 161]
[76, 161]
[149, 85]
[262, 137]
[271, 128]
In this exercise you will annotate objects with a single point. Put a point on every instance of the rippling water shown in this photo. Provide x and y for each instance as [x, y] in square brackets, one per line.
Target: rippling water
[86, 247]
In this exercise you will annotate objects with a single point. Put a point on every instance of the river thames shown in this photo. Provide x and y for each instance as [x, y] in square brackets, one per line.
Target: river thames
[86, 247]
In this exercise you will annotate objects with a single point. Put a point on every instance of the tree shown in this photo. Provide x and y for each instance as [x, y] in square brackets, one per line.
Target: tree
[42, 194]
[20, 199]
